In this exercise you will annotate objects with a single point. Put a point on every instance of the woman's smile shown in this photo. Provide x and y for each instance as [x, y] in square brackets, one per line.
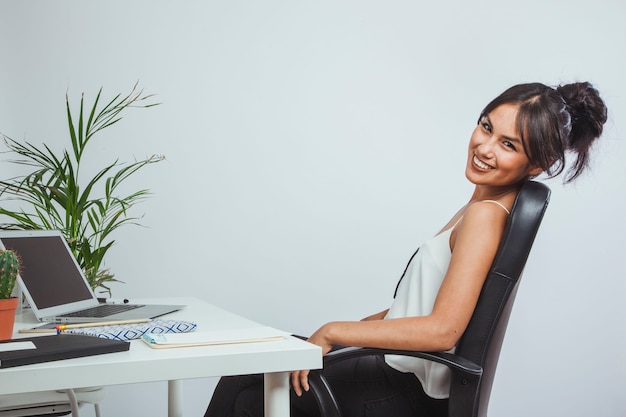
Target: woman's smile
[481, 164]
[496, 155]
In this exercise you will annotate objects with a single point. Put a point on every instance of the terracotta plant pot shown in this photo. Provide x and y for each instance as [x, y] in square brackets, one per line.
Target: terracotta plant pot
[7, 317]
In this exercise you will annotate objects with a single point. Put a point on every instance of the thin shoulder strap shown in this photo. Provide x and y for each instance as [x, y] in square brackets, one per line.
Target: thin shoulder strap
[498, 203]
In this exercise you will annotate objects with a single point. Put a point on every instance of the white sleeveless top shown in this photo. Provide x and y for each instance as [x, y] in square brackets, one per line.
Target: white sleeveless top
[415, 296]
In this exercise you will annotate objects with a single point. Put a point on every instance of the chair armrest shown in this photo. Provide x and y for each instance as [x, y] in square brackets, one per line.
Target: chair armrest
[451, 360]
[469, 371]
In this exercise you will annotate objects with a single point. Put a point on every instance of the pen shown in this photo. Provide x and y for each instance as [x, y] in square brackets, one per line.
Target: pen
[113, 300]
[62, 327]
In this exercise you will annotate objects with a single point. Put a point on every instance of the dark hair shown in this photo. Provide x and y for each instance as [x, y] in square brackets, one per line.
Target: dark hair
[554, 121]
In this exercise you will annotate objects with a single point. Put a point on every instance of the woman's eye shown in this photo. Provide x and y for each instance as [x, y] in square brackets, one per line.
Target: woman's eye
[486, 126]
[509, 145]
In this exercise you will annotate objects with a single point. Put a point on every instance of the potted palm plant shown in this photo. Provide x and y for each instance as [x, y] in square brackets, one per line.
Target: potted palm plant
[54, 195]
[9, 268]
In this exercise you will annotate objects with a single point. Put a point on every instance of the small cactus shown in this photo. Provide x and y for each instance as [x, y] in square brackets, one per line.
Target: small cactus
[9, 268]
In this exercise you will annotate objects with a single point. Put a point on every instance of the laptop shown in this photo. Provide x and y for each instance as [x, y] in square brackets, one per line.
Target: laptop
[55, 286]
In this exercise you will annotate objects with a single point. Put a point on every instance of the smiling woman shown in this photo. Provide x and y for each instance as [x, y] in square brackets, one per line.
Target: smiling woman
[523, 132]
[497, 154]
[550, 122]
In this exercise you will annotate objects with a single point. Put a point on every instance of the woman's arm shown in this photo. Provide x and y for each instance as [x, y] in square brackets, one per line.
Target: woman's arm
[474, 244]
[377, 316]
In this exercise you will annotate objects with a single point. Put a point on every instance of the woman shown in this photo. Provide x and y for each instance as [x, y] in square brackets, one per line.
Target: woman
[525, 131]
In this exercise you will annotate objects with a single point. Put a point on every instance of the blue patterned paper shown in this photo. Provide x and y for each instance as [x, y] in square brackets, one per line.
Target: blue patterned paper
[135, 331]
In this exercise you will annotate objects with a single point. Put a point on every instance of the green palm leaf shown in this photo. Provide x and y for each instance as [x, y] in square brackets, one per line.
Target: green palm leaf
[55, 195]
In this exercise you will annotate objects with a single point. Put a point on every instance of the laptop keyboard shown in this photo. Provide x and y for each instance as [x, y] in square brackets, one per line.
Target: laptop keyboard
[103, 310]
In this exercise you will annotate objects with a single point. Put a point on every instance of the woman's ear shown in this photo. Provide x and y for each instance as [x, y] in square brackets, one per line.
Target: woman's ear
[534, 171]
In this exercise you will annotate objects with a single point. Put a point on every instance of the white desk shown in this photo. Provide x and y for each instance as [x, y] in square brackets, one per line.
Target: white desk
[143, 364]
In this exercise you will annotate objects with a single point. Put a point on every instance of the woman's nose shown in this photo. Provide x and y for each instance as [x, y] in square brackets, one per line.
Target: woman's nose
[486, 147]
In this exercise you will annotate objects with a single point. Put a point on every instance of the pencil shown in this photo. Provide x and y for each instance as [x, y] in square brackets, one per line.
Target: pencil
[98, 324]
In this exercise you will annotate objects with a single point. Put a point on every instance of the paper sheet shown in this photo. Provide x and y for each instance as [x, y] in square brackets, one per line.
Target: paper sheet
[206, 338]
[11, 346]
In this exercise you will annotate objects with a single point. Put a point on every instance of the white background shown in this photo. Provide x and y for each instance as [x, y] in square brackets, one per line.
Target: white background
[312, 145]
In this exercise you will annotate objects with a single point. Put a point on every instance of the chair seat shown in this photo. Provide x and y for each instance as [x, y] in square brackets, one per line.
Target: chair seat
[46, 402]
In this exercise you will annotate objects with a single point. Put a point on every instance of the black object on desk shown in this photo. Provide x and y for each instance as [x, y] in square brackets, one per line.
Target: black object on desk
[57, 347]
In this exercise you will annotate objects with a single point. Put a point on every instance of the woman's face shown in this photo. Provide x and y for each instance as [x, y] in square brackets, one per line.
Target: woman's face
[496, 154]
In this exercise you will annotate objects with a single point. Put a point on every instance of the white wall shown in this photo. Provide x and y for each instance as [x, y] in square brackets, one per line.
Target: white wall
[312, 145]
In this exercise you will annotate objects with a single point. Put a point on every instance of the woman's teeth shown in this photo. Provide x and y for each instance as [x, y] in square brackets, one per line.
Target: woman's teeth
[480, 164]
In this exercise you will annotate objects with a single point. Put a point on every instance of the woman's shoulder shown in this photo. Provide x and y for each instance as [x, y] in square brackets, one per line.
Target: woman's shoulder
[496, 202]
[482, 220]
[485, 211]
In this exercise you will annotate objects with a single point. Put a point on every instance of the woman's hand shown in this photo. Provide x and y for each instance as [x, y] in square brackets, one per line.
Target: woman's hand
[300, 379]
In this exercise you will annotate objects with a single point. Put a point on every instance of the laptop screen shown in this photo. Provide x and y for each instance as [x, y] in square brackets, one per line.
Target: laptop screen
[48, 270]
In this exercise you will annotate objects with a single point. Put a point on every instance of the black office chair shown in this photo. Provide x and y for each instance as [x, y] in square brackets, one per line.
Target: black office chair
[473, 364]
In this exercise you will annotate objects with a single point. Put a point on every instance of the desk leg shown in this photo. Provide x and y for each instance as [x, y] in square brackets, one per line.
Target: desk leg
[175, 398]
[276, 389]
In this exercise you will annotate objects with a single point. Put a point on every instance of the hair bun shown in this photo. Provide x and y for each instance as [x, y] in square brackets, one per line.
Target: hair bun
[587, 110]
[588, 114]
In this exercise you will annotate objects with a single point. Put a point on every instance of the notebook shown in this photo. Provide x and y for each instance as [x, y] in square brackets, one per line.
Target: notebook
[16, 352]
[210, 338]
[55, 286]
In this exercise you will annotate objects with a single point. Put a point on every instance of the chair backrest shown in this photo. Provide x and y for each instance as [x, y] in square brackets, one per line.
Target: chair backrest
[482, 340]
